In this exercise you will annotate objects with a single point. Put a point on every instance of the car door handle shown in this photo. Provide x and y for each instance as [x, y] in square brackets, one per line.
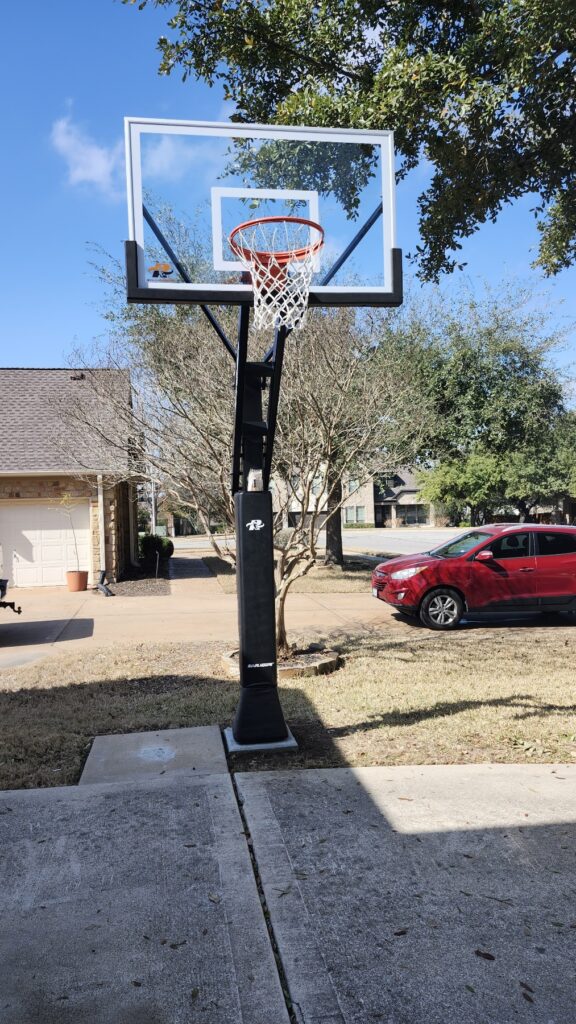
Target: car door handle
[527, 569]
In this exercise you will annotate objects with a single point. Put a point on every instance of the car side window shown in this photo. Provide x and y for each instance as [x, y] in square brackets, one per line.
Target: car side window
[513, 545]
[556, 544]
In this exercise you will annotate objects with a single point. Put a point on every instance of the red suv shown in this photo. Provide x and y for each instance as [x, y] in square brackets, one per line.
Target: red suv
[496, 568]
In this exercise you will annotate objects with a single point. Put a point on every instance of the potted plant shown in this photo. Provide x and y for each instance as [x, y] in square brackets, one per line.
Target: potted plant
[77, 579]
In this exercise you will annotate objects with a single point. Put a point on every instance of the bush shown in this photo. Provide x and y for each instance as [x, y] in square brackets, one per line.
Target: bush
[151, 545]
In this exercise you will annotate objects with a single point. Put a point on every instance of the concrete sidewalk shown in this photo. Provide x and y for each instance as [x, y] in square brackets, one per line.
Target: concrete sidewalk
[409, 895]
[421, 895]
[133, 903]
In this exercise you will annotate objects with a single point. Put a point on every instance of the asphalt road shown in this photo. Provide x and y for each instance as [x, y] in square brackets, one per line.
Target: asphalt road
[404, 541]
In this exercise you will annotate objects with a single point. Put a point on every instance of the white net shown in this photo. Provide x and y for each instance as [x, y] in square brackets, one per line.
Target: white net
[280, 255]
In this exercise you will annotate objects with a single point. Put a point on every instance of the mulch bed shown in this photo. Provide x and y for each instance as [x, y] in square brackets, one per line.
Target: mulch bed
[144, 583]
[145, 587]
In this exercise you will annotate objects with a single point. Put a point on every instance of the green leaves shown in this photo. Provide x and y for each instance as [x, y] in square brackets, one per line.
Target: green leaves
[502, 437]
[486, 91]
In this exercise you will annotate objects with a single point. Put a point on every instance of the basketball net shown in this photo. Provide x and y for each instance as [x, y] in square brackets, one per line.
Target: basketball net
[279, 253]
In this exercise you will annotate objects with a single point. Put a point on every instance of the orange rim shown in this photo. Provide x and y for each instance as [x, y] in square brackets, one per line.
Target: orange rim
[264, 256]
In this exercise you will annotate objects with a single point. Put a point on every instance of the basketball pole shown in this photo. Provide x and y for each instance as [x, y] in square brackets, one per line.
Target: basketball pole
[259, 720]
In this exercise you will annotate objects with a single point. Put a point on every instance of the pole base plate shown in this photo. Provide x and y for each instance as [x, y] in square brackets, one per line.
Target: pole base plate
[233, 747]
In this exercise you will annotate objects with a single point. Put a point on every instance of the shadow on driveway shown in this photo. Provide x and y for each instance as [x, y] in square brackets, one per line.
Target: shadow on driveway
[43, 631]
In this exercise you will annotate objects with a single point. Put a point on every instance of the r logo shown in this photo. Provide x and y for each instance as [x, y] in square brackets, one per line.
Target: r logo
[255, 524]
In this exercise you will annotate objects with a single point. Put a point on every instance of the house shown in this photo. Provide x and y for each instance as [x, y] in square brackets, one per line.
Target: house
[66, 497]
[392, 499]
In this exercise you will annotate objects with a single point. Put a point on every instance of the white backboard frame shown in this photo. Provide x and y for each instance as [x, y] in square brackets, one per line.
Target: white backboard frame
[142, 289]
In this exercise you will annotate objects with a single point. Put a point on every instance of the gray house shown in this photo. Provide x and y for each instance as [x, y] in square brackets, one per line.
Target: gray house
[66, 494]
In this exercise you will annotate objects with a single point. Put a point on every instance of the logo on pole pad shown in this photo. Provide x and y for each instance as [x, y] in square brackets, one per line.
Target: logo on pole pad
[255, 524]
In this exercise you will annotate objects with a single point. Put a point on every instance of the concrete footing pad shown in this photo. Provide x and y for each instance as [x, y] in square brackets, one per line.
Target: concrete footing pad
[253, 748]
[138, 756]
[421, 895]
[132, 904]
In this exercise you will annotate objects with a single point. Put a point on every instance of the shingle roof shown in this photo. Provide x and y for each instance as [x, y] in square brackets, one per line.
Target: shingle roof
[41, 413]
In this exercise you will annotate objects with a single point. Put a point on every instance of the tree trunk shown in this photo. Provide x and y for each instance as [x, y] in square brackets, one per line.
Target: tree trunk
[334, 554]
[524, 510]
[282, 645]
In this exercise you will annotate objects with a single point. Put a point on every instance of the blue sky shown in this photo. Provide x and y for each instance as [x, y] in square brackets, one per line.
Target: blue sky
[71, 72]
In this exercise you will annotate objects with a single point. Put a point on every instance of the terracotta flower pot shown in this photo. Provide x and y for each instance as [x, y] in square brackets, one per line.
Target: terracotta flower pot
[77, 580]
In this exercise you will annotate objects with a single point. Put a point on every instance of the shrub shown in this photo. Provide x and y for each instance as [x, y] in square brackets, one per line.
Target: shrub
[151, 545]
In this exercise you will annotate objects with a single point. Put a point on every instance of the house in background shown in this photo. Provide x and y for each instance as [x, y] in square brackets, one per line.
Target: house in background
[43, 459]
[389, 500]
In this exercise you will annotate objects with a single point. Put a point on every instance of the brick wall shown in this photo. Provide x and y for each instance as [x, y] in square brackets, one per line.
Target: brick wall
[42, 488]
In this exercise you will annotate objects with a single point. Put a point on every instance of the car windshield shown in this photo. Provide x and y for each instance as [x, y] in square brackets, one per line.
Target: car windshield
[461, 546]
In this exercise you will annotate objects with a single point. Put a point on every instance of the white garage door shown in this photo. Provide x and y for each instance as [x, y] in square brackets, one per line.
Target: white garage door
[37, 543]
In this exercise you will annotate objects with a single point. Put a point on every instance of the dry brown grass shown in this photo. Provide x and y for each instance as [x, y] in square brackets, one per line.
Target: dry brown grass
[495, 694]
[354, 578]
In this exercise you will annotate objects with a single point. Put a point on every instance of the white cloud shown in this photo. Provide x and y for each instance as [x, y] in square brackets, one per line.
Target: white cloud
[174, 156]
[227, 108]
[87, 162]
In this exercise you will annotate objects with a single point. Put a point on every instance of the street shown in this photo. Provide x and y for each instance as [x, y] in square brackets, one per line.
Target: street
[403, 541]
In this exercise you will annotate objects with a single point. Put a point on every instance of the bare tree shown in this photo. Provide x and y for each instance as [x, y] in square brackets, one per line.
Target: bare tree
[349, 407]
[348, 404]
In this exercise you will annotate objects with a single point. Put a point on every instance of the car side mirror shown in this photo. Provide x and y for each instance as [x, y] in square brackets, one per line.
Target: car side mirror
[484, 556]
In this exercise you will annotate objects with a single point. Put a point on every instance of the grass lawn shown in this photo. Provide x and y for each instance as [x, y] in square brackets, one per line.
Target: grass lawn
[355, 577]
[481, 694]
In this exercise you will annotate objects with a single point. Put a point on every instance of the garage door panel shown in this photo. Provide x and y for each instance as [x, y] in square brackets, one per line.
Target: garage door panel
[38, 543]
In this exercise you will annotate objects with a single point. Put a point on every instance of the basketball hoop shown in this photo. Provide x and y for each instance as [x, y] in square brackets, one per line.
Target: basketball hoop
[279, 253]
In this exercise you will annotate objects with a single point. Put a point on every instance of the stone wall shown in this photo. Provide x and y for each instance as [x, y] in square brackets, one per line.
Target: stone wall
[43, 488]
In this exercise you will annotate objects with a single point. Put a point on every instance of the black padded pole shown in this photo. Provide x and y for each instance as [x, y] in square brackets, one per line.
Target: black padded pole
[259, 718]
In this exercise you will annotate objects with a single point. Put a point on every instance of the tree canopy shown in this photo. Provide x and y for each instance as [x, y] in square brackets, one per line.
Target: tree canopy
[484, 91]
[502, 435]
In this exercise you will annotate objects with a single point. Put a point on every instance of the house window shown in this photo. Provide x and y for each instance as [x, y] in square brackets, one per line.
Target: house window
[353, 486]
[349, 515]
[412, 515]
[316, 486]
[360, 514]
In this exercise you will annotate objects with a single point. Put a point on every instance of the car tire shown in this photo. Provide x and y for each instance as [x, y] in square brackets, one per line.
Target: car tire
[441, 609]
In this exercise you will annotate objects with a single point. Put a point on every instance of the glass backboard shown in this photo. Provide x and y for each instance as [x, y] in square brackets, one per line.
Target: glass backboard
[190, 183]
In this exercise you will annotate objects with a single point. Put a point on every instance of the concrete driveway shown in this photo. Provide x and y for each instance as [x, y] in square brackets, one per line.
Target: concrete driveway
[196, 609]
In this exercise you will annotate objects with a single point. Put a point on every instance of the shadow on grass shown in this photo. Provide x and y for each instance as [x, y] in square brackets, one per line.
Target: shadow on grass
[525, 703]
[46, 733]
[496, 621]
[415, 637]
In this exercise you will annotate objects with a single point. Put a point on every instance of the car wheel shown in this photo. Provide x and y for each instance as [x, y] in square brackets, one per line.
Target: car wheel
[441, 609]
